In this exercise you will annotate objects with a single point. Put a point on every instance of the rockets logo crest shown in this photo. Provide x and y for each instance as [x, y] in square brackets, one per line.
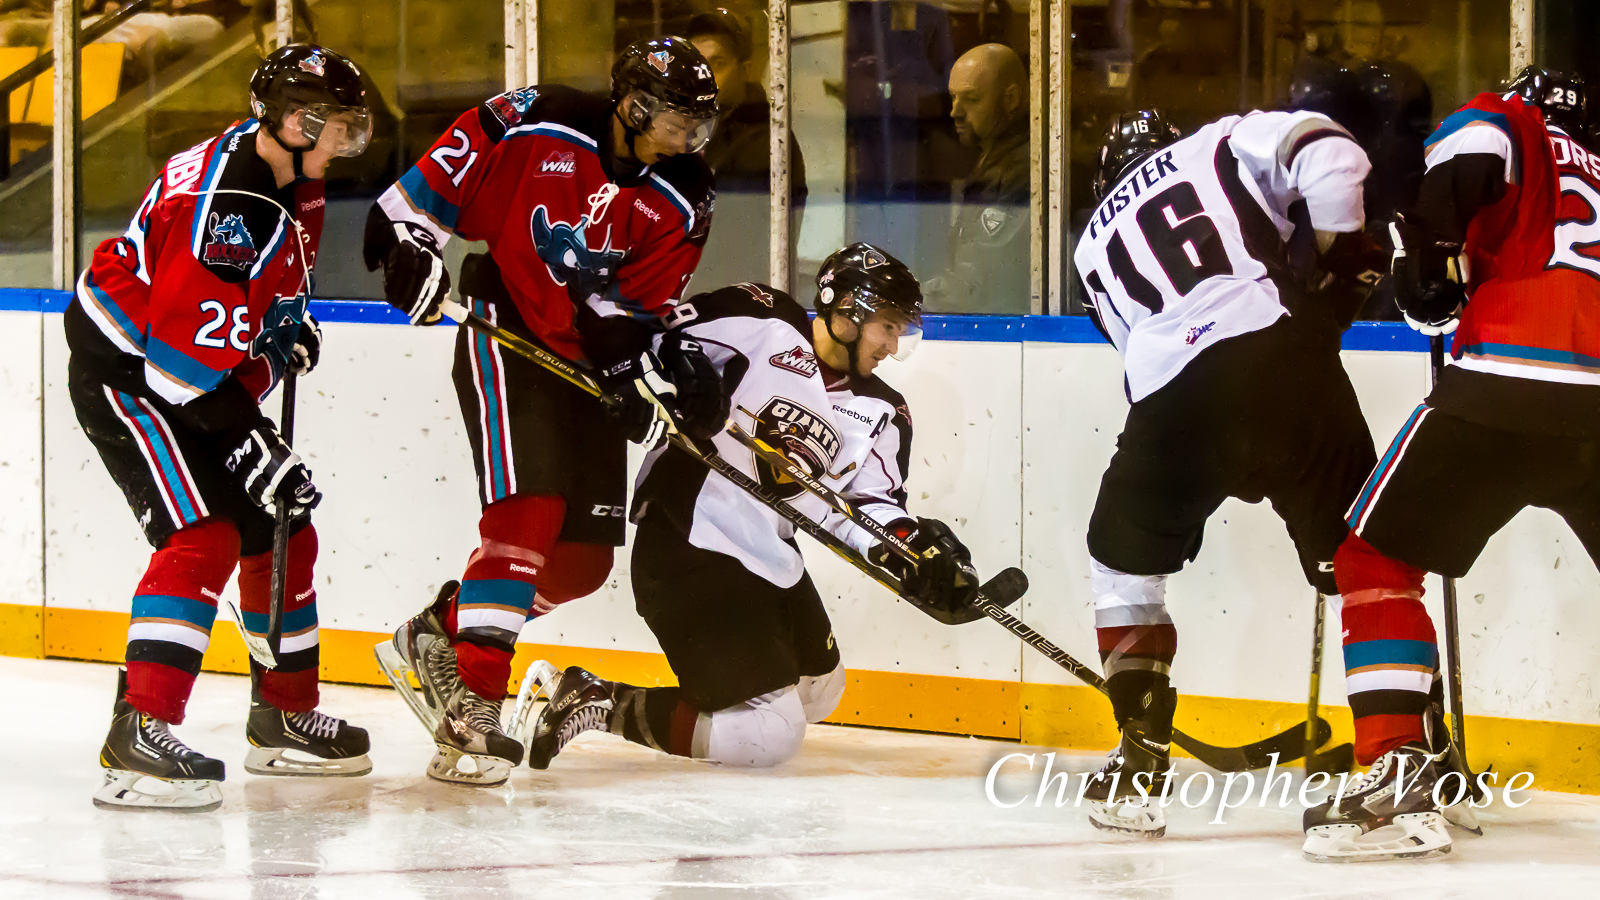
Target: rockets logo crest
[565, 250]
[659, 60]
[315, 63]
[230, 244]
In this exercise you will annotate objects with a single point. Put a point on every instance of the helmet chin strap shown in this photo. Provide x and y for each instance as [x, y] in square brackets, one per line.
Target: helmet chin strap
[629, 135]
[296, 154]
[851, 348]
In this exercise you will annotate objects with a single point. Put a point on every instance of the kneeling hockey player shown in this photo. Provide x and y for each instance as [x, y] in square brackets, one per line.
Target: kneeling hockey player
[595, 211]
[1505, 213]
[1235, 382]
[716, 573]
[180, 328]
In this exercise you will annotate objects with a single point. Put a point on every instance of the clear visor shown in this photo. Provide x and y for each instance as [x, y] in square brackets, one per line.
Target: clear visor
[342, 130]
[671, 126]
[889, 324]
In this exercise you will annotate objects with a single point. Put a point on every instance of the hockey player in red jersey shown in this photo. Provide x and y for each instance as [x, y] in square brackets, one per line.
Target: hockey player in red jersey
[180, 327]
[1496, 251]
[716, 574]
[595, 211]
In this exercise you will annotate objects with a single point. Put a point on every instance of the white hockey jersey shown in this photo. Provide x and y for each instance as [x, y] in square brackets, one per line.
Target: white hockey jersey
[857, 430]
[1189, 248]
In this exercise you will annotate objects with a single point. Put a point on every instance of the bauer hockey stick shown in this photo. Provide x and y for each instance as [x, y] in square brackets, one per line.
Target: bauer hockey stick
[1343, 757]
[992, 597]
[264, 650]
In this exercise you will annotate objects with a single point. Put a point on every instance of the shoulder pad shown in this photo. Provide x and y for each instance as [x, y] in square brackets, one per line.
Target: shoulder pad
[749, 300]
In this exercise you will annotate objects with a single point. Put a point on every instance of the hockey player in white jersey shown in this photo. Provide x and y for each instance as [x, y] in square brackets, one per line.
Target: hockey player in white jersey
[716, 574]
[1233, 372]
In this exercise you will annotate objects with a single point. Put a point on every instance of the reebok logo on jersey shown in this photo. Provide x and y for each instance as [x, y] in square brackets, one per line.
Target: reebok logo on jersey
[1198, 332]
[797, 359]
[559, 163]
[526, 570]
[859, 417]
[309, 205]
[230, 244]
[649, 213]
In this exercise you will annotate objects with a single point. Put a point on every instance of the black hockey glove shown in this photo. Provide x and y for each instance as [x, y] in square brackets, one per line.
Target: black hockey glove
[944, 580]
[415, 280]
[1427, 279]
[649, 408]
[307, 347]
[702, 404]
[270, 471]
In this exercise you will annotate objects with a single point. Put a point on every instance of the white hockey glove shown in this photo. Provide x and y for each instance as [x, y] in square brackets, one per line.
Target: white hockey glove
[415, 280]
[307, 347]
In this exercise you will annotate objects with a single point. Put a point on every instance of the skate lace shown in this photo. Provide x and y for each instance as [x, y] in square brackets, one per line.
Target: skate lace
[441, 662]
[316, 724]
[159, 733]
[590, 717]
[481, 714]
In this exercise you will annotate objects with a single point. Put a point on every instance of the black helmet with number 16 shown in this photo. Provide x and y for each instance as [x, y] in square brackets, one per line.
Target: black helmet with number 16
[1562, 96]
[1131, 138]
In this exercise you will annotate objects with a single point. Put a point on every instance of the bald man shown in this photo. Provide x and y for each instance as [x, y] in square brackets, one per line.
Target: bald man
[989, 253]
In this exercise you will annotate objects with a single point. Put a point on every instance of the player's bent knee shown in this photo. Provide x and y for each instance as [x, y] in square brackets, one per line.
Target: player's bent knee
[1359, 567]
[205, 553]
[1123, 599]
[573, 571]
[819, 695]
[759, 733]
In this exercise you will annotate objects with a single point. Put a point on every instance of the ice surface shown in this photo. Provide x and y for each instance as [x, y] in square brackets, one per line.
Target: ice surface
[859, 814]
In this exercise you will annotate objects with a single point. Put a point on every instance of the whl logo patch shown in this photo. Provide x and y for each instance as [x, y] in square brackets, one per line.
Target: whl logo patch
[797, 359]
[230, 244]
[559, 163]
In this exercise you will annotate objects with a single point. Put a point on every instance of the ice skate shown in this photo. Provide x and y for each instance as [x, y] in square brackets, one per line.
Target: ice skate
[147, 768]
[1140, 761]
[420, 652]
[472, 747]
[1457, 812]
[304, 743]
[1386, 813]
[578, 702]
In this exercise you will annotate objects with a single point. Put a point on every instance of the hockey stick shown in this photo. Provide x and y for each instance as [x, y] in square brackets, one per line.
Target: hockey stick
[1343, 757]
[992, 597]
[1452, 626]
[264, 650]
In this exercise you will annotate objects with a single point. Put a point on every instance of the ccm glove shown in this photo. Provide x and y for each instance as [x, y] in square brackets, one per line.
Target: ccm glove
[1427, 279]
[269, 471]
[415, 280]
[944, 579]
[307, 347]
[702, 405]
[649, 407]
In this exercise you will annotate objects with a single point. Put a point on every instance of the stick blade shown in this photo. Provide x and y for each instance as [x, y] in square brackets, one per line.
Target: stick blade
[259, 649]
[1007, 587]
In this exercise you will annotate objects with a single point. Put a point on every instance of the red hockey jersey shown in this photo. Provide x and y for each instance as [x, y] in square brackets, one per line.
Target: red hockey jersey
[205, 261]
[526, 173]
[1534, 275]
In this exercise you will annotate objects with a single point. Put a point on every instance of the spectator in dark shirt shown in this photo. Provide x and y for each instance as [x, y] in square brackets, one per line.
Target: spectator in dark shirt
[989, 253]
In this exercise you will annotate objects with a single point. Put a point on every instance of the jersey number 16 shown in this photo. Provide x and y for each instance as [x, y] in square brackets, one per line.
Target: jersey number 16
[1187, 246]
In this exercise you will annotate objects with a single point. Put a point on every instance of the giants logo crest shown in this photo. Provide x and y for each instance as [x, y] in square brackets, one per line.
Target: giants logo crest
[797, 359]
[804, 436]
[586, 273]
[230, 244]
[559, 163]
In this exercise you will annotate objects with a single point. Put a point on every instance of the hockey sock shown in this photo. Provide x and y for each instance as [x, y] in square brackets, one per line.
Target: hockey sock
[1391, 656]
[572, 571]
[498, 588]
[173, 610]
[658, 718]
[292, 685]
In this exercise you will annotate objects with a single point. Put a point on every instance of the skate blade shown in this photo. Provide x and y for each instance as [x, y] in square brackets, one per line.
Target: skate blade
[1462, 816]
[1138, 819]
[1422, 835]
[284, 761]
[123, 789]
[455, 767]
[398, 671]
[541, 680]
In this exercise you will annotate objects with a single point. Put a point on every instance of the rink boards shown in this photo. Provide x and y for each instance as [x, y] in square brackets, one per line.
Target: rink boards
[1015, 419]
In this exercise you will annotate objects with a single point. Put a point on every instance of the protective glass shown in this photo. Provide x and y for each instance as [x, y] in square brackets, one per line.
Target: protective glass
[348, 127]
[670, 125]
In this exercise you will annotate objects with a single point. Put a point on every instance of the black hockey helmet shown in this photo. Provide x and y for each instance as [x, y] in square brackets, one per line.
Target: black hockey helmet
[1320, 85]
[664, 88]
[861, 279]
[325, 85]
[1129, 140]
[1562, 96]
[1396, 97]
